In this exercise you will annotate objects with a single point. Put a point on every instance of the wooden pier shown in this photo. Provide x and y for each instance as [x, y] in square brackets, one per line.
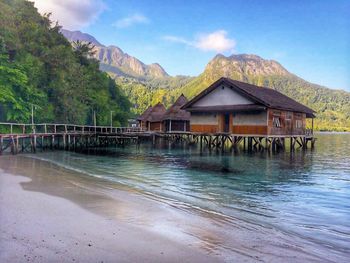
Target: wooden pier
[21, 138]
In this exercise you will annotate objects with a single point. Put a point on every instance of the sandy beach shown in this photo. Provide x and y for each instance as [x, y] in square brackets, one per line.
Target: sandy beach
[37, 227]
[51, 214]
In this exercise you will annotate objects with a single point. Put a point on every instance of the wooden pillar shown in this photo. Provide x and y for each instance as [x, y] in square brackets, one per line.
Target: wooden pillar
[1, 144]
[64, 141]
[170, 125]
[17, 144]
[34, 143]
[22, 144]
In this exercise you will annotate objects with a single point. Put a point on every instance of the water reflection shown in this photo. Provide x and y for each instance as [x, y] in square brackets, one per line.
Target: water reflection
[303, 193]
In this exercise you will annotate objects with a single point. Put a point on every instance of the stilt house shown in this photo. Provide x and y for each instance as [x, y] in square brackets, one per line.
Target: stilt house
[142, 119]
[175, 118]
[152, 118]
[236, 107]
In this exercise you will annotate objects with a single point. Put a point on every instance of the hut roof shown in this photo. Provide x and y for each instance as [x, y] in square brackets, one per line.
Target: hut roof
[266, 96]
[175, 112]
[156, 113]
[145, 114]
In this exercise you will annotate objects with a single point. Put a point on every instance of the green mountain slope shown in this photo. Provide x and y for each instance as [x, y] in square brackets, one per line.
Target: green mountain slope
[39, 66]
[332, 106]
[143, 84]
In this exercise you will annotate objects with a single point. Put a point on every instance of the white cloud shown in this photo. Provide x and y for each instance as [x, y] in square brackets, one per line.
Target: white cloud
[178, 40]
[216, 41]
[131, 20]
[71, 14]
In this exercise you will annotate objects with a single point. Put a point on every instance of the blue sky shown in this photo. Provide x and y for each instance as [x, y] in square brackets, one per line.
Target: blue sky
[309, 38]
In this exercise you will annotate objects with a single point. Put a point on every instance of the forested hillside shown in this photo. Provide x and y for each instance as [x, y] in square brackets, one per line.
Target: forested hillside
[38, 66]
[332, 106]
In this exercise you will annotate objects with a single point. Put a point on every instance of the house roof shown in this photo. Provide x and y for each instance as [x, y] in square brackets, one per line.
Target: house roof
[266, 96]
[175, 112]
[145, 114]
[156, 113]
[221, 108]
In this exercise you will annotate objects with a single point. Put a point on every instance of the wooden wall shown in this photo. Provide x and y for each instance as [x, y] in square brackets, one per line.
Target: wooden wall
[250, 129]
[156, 126]
[259, 124]
[288, 121]
[176, 125]
[250, 123]
[209, 128]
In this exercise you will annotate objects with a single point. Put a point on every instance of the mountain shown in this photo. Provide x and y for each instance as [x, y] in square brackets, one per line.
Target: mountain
[149, 84]
[332, 106]
[113, 59]
[77, 35]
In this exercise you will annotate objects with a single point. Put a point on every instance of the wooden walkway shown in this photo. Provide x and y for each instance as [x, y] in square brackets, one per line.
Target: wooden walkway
[21, 138]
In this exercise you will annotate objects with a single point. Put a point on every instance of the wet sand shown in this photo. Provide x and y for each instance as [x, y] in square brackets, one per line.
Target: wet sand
[50, 214]
[37, 227]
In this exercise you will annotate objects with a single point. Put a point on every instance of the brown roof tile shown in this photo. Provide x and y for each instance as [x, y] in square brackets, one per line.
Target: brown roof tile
[175, 112]
[157, 112]
[145, 114]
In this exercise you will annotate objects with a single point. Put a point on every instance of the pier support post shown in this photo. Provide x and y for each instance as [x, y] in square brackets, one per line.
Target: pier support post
[1, 144]
[34, 143]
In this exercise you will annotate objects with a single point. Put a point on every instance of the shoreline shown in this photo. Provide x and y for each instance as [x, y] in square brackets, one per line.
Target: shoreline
[38, 227]
[149, 230]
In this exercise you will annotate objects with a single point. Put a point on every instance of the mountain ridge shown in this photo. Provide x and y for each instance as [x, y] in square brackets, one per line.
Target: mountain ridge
[332, 106]
[116, 60]
[144, 86]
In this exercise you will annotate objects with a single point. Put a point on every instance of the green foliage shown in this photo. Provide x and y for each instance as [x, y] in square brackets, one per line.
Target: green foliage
[38, 66]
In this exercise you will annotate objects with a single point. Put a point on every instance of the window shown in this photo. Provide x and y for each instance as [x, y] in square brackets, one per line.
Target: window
[289, 115]
[276, 122]
[299, 124]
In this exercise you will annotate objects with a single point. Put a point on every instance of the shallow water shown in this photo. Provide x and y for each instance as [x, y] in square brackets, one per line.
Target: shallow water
[304, 194]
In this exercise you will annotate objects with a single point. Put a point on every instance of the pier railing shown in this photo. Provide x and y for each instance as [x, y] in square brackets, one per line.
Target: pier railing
[54, 128]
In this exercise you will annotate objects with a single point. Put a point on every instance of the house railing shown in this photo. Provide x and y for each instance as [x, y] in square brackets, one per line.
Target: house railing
[46, 128]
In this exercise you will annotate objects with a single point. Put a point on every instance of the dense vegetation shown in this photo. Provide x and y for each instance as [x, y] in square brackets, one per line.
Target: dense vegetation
[143, 93]
[39, 67]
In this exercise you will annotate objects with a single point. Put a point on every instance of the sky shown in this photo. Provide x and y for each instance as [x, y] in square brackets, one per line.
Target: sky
[309, 38]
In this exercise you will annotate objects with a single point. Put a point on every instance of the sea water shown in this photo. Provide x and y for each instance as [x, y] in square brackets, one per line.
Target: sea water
[305, 194]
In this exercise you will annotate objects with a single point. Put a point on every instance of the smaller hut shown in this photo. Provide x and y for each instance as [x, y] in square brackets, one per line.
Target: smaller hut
[142, 119]
[175, 118]
[151, 119]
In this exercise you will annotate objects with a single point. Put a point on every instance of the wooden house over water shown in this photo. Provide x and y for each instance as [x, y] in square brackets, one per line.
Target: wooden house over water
[235, 107]
[142, 119]
[175, 118]
[152, 118]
